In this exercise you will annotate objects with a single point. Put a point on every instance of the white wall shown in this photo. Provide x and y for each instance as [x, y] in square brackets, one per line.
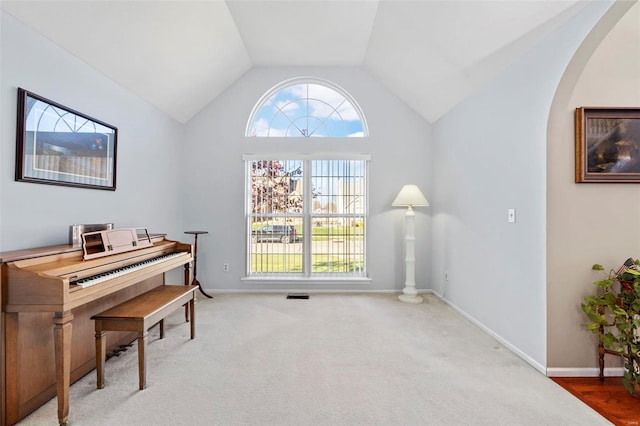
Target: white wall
[149, 148]
[491, 156]
[399, 144]
[589, 223]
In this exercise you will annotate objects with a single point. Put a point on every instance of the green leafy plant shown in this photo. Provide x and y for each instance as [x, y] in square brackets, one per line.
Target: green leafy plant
[614, 314]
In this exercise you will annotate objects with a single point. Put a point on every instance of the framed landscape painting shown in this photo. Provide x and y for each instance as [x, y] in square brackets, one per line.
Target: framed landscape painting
[56, 145]
[607, 144]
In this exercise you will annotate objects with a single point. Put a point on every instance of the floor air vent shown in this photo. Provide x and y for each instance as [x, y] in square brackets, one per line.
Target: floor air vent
[297, 296]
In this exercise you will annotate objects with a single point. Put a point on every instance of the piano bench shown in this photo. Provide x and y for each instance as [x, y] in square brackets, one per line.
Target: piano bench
[139, 314]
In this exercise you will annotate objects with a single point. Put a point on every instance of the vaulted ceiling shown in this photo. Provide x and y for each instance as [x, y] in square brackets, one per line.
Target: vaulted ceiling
[179, 55]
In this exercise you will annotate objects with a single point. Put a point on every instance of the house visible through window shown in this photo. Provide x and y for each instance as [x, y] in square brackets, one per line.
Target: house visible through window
[306, 213]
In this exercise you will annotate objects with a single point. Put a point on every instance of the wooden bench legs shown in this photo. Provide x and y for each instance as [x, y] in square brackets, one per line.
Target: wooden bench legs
[139, 314]
[142, 359]
[101, 356]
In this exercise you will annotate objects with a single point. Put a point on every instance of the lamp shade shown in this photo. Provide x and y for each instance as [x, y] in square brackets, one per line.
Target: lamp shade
[410, 195]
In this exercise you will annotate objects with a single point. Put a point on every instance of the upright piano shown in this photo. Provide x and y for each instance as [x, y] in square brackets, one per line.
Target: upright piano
[48, 297]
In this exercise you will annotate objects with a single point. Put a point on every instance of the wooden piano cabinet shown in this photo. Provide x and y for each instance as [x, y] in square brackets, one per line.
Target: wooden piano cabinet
[48, 339]
[31, 377]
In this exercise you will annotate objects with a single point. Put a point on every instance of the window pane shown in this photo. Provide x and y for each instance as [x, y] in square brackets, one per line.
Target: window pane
[276, 208]
[306, 110]
[276, 187]
[339, 186]
[337, 244]
[276, 245]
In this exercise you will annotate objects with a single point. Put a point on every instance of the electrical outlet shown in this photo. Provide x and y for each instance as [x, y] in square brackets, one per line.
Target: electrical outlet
[225, 267]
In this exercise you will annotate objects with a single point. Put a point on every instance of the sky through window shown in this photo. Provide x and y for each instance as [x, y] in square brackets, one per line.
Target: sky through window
[306, 109]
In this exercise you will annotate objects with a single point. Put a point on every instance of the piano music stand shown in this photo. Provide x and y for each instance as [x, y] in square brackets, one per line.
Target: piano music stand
[195, 260]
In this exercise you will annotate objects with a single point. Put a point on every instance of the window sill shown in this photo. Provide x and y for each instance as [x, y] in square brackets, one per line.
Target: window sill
[307, 280]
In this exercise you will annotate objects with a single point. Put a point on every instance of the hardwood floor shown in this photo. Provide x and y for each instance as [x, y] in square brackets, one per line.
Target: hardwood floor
[609, 398]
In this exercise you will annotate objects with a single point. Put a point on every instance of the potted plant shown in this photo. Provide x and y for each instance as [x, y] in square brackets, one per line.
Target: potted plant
[614, 314]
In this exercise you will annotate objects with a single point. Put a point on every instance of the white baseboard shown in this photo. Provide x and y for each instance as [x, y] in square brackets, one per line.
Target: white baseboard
[289, 290]
[535, 364]
[584, 372]
[310, 291]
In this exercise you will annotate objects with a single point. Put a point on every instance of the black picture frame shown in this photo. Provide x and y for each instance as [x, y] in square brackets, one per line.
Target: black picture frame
[607, 145]
[56, 145]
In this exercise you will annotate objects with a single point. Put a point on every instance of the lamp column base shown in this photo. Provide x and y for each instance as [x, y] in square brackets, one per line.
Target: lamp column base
[410, 298]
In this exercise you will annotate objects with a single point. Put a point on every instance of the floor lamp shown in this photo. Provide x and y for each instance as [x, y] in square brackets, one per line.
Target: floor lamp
[410, 196]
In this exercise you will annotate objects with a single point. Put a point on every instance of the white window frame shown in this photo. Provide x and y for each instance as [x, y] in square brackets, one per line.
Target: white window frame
[306, 275]
[306, 80]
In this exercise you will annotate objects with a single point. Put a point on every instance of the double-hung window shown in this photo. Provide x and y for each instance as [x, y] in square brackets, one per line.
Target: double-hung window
[306, 213]
[306, 217]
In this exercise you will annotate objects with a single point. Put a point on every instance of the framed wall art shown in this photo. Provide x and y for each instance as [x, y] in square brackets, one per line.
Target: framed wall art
[56, 145]
[607, 144]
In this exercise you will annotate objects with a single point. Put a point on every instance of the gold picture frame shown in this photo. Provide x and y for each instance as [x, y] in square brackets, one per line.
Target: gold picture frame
[607, 144]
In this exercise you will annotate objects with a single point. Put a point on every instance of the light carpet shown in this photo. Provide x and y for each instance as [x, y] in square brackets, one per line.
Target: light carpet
[260, 359]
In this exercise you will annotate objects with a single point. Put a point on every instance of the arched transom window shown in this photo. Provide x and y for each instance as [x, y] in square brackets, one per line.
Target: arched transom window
[307, 107]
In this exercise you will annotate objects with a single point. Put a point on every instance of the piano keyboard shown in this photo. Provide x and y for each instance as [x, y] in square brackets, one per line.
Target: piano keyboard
[115, 273]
